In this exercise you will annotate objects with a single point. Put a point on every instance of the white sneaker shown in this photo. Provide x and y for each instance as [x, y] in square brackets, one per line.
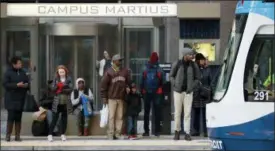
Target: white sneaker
[63, 138]
[50, 138]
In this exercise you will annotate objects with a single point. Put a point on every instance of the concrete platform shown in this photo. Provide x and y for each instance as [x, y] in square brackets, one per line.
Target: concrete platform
[101, 143]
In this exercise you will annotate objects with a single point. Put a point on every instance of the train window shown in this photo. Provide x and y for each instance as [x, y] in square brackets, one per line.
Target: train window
[259, 73]
[230, 56]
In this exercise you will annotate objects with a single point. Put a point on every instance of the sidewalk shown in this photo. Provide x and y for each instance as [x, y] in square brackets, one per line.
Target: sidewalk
[101, 143]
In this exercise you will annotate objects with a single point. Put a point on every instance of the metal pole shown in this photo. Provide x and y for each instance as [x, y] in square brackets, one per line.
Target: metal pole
[120, 34]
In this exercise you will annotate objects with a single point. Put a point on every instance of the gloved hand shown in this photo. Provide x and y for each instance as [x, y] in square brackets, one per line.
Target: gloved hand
[60, 85]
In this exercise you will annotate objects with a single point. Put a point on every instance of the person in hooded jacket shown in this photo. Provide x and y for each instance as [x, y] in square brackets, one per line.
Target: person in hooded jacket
[16, 84]
[76, 98]
[152, 81]
[133, 101]
[199, 101]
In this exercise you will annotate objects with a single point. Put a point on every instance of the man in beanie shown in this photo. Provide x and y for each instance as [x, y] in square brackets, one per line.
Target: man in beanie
[114, 86]
[185, 77]
[151, 87]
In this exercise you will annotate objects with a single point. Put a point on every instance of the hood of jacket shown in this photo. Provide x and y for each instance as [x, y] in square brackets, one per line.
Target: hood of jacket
[77, 80]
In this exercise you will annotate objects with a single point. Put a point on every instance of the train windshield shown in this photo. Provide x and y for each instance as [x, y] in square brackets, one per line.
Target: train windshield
[230, 55]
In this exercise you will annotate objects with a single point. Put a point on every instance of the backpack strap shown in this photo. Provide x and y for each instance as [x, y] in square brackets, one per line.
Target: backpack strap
[76, 93]
[194, 70]
[177, 67]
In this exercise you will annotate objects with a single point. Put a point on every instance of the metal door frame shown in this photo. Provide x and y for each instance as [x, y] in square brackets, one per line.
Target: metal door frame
[34, 51]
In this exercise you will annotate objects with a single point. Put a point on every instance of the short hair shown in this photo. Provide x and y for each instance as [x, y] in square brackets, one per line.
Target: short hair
[15, 59]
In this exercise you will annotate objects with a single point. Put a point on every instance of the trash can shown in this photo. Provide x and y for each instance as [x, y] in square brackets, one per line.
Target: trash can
[166, 109]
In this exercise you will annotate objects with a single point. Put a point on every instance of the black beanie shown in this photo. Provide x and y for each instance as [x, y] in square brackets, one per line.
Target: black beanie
[199, 56]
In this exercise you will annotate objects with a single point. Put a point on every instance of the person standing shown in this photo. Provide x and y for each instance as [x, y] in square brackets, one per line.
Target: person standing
[200, 100]
[151, 86]
[114, 86]
[16, 84]
[185, 77]
[133, 109]
[62, 86]
[83, 121]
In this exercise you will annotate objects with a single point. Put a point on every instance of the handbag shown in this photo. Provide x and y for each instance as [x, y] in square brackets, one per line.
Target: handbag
[205, 92]
[30, 103]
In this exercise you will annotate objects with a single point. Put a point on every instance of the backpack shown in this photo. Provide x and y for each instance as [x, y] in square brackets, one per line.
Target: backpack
[40, 128]
[192, 65]
[76, 94]
[151, 79]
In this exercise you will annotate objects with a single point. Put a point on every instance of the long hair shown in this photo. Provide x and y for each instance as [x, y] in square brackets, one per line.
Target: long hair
[61, 67]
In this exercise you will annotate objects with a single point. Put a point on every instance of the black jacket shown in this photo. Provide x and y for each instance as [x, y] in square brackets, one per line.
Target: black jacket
[206, 79]
[15, 96]
[133, 101]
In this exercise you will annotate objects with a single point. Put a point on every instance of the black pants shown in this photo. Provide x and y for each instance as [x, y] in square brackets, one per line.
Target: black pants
[64, 119]
[156, 100]
[197, 120]
[14, 116]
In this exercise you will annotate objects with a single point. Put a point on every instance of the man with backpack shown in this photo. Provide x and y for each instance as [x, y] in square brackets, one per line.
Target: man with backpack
[185, 77]
[151, 87]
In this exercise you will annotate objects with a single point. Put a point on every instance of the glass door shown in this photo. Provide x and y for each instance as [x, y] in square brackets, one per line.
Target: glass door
[22, 42]
[77, 54]
[138, 47]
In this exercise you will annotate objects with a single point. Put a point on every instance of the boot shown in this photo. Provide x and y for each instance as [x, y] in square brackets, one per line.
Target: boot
[86, 131]
[17, 131]
[177, 135]
[80, 131]
[9, 131]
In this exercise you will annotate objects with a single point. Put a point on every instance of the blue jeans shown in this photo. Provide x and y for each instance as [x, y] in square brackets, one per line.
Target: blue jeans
[132, 125]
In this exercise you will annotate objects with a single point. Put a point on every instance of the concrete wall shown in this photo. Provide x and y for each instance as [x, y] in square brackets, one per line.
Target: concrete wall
[222, 9]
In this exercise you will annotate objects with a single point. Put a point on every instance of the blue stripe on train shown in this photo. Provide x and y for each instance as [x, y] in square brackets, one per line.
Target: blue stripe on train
[257, 7]
[258, 135]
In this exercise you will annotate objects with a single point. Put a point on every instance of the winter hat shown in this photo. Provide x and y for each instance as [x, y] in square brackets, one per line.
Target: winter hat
[199, 56]
[154, 57]
[187, 51]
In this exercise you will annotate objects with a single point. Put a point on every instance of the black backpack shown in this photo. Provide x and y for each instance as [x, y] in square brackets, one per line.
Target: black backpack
[40, 128]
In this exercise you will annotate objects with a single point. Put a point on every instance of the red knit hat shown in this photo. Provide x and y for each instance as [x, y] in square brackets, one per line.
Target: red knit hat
[154, 57]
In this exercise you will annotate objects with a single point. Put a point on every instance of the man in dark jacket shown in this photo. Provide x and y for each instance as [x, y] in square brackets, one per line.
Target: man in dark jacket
[152, 81]
[114, 86]
[185, 77]
[16, 84]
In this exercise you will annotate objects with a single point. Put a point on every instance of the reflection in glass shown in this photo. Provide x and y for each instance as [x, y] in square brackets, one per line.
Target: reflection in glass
[85, 59]
[139, 48]
[18, 44]
[64, 53]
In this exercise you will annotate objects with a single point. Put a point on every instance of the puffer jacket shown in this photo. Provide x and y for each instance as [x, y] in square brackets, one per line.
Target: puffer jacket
[205, 81]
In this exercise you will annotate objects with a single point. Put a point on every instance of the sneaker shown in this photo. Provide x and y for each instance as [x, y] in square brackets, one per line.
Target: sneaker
[50, 138]
[132, 137]
[63, 138]
[187, 137]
